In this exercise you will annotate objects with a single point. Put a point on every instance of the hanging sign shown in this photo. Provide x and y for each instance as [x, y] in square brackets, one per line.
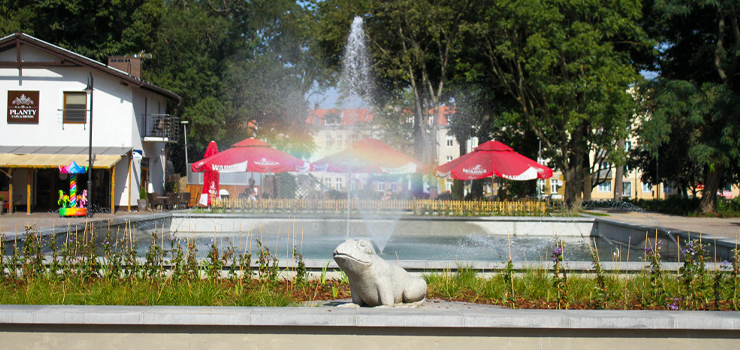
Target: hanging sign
[23, 107]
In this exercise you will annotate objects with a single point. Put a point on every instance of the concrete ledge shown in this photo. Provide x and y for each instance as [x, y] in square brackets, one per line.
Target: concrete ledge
[319, 328]
[62, 315]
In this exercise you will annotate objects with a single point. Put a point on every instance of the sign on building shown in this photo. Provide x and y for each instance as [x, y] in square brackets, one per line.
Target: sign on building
[23, 107]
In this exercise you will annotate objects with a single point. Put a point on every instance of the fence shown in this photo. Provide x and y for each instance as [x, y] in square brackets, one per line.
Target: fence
[419, 206]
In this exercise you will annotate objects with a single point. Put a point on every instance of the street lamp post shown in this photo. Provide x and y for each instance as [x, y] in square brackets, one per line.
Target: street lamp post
[89, 91]
[185, 126]
[540, 183]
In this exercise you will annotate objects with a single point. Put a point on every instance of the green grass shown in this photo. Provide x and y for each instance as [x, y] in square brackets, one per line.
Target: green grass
[595, 213]
[202, 292]
[535, 288]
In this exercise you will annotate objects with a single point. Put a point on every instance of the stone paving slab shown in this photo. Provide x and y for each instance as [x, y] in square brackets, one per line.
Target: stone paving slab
[459, 317]
[720, 227]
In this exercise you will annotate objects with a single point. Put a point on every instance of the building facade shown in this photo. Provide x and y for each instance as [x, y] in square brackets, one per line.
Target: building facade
[53, 97]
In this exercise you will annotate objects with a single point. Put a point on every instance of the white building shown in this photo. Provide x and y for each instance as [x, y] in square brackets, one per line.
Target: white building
[49, 118]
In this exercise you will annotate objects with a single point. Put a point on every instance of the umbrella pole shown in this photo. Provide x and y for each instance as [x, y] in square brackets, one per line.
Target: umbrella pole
[493, 177]
[349, 205]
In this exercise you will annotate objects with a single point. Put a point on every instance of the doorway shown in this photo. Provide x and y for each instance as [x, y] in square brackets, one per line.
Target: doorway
[48, 184]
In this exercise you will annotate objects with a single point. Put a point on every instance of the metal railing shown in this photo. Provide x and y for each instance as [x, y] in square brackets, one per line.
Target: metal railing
[161, 127]
[418, 206]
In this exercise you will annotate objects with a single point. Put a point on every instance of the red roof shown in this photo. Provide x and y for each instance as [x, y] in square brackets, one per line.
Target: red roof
[351, 116]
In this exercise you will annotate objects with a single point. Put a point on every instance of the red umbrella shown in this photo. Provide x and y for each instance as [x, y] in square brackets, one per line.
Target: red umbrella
[210, 178]
[370, 156]
[251, 155]
[493, 158]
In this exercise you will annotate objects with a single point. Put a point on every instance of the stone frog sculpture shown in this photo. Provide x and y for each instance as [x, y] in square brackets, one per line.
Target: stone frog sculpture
[372, 280]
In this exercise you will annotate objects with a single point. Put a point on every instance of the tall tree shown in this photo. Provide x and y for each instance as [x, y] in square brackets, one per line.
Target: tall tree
[699, 67]
[414, 45]
[92, 28]
[565, 65]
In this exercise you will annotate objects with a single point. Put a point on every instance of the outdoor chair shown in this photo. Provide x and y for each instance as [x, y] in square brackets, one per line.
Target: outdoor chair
[155, 200]
[184, 199]
[172, 201]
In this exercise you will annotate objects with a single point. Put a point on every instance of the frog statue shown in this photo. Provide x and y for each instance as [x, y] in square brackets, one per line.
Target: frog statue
[375, 282]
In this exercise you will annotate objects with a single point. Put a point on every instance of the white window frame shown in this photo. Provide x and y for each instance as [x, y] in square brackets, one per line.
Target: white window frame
[647, 187]
[449, 159]
[329, 141]
[338, 184]
[605, 186]
[624, 184]
[448, 184]
[667, 188]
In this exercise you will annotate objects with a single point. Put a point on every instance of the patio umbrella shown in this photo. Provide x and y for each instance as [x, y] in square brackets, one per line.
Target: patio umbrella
[251, 155]
[210, 178]
[493, 158]
[370, 156]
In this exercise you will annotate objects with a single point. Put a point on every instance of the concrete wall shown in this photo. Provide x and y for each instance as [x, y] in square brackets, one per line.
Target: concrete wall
[146, 327]
[399, 226]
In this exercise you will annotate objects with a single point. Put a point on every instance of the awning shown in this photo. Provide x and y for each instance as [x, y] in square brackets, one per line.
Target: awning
[55, 160]
[53, 157]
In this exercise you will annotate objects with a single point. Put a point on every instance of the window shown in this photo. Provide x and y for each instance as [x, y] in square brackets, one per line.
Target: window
[75, 107]
[627, 145]
[381, 186]
[4, 184]
[448, 185]
[605, 165]
[329, 141]
[339, 140]
[353, 184]
[449, 159]
[393, 186]
[449, 141]
[627, 188]
[553, 187]
[327, 182]
[605, 186]
[668, 188]
[338, 184]
[646, 187]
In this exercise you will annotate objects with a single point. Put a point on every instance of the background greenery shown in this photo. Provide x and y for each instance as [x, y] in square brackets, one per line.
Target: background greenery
[568, 74]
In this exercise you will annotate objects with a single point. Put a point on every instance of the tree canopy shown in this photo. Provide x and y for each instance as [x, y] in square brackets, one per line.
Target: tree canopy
[563, 72]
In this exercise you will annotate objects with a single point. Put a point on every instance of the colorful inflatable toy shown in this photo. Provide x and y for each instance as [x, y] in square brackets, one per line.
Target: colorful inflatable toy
[69, 203]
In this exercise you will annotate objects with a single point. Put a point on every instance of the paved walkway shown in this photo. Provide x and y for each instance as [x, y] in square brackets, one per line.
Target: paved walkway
[729, 228]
